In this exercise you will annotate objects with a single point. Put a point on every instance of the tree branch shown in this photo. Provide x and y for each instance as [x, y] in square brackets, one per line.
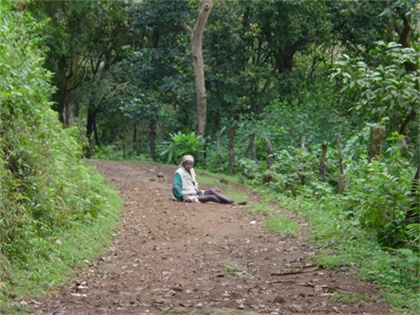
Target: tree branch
[188, 30]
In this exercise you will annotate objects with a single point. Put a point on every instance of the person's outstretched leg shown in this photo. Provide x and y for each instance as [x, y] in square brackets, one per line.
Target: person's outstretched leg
[208, 198]
[215, 196]
[222, 198]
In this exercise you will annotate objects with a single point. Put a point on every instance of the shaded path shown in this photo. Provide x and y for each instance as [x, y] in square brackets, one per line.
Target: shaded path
[179, 258]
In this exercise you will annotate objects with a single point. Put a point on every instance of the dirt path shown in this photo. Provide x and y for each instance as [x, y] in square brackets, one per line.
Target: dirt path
[177, 258]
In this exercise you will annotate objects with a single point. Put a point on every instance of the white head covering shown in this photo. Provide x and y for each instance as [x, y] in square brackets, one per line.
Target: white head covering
[187, 158]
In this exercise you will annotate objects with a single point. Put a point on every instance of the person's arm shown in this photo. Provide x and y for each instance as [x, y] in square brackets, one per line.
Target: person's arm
[177, 187]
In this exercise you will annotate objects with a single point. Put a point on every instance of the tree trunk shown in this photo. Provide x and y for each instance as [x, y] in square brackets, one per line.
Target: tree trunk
[96, 134]
[196, 36]
[206, 147]
[122, 137]
[302, 144]
[89, 149]
[340, 186]
[136, 141]
[218, 143]
[89, 131]
[91, 128]
[377, 134]
[77, 71]
[91, 118]
[231, 146]
[152, 141]
[251, 147]
[68, 109]
[269, 152]
[323, 166]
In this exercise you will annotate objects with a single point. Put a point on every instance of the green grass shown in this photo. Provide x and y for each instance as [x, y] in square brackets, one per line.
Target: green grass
[261, 207]
[340, 241]
[67, 250]
[229, 268]
[349, 298]
[281, 226]
[217, 177]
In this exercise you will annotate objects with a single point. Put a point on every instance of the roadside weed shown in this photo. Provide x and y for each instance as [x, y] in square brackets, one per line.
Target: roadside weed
[234, 271]
[281, 226]
[229, 268]
[260, 207]
[349, 298]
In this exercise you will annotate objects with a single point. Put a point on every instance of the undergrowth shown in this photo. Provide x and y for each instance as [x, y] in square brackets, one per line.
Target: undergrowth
[55, 211]
[341, 242]
[51, 261]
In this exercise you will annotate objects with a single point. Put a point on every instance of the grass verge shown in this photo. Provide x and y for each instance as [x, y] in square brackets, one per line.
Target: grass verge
[341, 242]
[281, 226]
[66, 250]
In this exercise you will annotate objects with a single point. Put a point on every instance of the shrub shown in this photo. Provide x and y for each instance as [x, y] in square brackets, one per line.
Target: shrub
[182, 144]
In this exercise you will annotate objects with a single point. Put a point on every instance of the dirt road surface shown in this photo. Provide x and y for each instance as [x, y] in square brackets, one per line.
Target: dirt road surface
[179, 258]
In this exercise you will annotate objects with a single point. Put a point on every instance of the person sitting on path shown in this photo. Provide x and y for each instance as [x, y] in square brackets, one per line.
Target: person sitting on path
[185, 186]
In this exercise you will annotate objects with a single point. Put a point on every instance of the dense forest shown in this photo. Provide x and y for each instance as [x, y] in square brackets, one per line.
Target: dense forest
[316, 100]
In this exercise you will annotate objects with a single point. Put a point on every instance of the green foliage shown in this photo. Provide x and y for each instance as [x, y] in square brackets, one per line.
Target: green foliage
[84, 39]
[294, 171]
[45, 187]
[260, 207]
[250, 169]
[340, 242]
[407, 261]
[281, 226]
[379, 194]
[413, 233]
[266, 70]
[362, 223]
[182, 144]
[266, 59]
[314, 117]
[357, 24]
[385, 89]
[115, 152]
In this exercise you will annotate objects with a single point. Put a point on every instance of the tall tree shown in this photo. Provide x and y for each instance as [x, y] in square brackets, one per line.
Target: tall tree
[84, 38]
[196, 36]
[155, 72]
[252, 52]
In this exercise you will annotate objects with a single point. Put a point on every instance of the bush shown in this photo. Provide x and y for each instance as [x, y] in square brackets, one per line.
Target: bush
[45, 187]
[182, 144]
[379, 195]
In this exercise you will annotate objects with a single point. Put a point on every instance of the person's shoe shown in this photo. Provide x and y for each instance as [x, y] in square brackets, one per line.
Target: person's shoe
[239, 203]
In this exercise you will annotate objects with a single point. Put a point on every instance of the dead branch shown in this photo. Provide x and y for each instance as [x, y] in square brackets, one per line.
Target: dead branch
[294, 272]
